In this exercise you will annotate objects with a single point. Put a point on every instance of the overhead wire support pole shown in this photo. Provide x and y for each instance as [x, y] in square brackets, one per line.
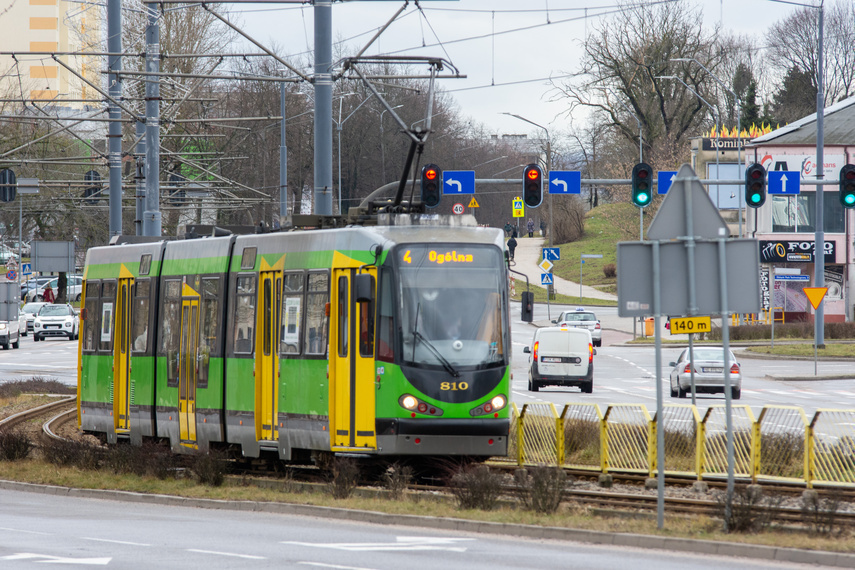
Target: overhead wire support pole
[152, 225]
[323, 83]
[114, 129]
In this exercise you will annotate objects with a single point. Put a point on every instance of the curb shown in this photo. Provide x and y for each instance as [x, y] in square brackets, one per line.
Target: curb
[792, 555]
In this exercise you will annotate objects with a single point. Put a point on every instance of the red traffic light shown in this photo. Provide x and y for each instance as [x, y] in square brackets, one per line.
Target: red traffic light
[430, 173]
[642, 173]
[532, 173]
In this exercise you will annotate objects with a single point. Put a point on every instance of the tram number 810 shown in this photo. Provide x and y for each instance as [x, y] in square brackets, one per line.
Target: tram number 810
[454, 386]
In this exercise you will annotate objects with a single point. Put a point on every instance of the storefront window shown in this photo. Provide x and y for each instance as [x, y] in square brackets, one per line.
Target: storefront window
[797, 214]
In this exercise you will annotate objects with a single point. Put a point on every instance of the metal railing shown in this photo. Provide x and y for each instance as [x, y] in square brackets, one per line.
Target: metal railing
[781, 445]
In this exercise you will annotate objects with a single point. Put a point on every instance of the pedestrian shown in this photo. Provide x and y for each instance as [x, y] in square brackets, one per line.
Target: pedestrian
[512, 245]
[508, 229]
[47, 294]
[514, 232]
[530, 227]
[542, 228]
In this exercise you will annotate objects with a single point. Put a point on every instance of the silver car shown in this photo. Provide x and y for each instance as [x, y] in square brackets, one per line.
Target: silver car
[582, 318]
[709, 372]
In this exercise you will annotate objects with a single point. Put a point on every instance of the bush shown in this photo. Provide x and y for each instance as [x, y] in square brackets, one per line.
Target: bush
[72, 453]
[476, 487]
[542, 488]
[397, 478]
[210, 468]
[345, 477]
[820, 515]
[14, 445]
[35, 385]
[610, 270]
[148, 459]
[784, 331]
[750, 510]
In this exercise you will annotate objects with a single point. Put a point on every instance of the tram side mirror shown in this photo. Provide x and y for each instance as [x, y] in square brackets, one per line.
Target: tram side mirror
[364, 289]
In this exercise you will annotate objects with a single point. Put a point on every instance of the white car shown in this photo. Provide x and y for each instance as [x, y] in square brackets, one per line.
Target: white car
[29, 311]
[56, 320]
[561, 356]
[583, 319]
[74, 288]
[9, 334]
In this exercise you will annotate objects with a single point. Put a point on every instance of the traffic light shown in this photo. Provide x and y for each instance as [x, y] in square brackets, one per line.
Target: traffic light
[532, 185]
[93, 177]
[431, 185]
[527, 306]
[641, 184]
[755, 185]
[8, 185]
[847, 186]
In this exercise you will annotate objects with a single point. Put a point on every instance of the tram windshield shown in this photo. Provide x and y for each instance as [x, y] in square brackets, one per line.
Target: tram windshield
[451, 306]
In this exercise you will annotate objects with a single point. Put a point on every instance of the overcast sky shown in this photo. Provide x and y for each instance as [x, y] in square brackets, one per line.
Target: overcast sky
[506, 72]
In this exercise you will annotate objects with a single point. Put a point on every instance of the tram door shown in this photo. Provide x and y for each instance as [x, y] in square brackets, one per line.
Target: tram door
[267, 355]
[121, 356]
[352, 417]
[188, 355]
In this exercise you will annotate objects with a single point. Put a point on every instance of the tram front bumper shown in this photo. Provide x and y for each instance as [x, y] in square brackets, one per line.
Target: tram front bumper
[479, 437]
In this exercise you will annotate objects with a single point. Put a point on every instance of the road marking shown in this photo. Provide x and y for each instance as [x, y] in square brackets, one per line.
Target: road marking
[44, 558]
[114, 541]
[404, 543]
[231, 554]
[322, 565]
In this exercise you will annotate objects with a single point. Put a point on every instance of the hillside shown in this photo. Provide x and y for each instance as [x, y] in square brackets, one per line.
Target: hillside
[605, 226]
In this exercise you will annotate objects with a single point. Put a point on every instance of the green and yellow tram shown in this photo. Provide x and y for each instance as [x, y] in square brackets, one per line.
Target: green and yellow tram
[379, 340]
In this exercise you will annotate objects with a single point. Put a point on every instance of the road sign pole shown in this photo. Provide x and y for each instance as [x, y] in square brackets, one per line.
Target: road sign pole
[660, 433]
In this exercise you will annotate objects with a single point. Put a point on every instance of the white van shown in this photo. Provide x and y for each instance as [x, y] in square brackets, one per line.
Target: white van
[561, 356]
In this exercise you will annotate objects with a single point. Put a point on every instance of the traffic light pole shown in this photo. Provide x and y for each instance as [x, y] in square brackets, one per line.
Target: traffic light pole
[819, 239]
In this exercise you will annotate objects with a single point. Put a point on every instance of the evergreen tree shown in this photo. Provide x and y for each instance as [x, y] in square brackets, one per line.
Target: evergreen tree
[795, 99]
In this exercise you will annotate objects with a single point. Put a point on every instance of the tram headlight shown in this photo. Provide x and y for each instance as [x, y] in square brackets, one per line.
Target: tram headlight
[409, 402]
[498, 402]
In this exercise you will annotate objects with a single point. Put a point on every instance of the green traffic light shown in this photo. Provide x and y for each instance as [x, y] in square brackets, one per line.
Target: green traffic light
[849, 198]
[755, 198]
[643, 198]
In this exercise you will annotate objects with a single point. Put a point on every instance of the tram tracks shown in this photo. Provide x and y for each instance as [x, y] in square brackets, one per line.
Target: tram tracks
[633, 501]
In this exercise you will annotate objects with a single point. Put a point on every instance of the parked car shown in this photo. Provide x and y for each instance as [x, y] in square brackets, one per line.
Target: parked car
[561, 356]
[709, 372]
[73, 291]
[29, 311]
[9, 334]
[583, 319]
[33, 284]
[56, 320]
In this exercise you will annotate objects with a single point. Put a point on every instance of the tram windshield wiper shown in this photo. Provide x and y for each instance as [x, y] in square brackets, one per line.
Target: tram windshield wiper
[419, 336]
[445, 363]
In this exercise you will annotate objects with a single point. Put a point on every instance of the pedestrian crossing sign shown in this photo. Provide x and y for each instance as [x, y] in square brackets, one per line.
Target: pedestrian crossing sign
[519, 209]
[546, 278]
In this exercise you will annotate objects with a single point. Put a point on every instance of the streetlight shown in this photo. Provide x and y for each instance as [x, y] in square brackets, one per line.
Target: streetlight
[738, 124]
[717, 123]
[548, 169]
[382, 146]
[640, 160]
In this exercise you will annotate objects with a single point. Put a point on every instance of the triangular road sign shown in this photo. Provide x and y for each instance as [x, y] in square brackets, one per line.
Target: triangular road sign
[670, 220]
[473, 203]
[815, 295]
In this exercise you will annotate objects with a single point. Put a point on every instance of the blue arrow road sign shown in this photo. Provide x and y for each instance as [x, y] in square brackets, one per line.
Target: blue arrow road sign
[458, 182]
[664, 179]
[565, 182]
[783, 182]
[546, 278]
[26, 269]
[552, 253]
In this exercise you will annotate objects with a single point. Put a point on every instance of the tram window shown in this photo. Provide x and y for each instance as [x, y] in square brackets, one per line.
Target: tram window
[317, 297]
[244, 314]
[193, 282]
[247, 258]
[91, 313]
[139, 332]
[208, 326]
[171, 320]
[267, 308]
[343, 310]
[292, 288]
[385, 318]
[145, 264]
[108, 304]
[366, 326]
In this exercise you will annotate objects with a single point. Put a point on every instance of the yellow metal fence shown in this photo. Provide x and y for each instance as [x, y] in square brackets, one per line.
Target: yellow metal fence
[782, 444]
